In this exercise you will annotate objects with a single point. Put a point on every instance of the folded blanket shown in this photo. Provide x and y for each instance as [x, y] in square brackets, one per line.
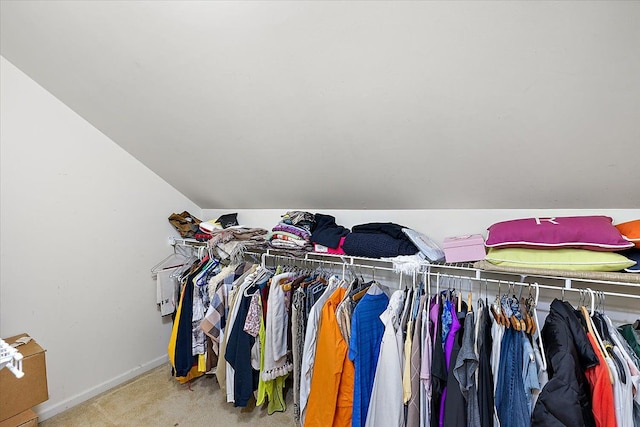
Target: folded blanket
[300, 232]
[231, 243]
[327, 232]
[376, 245]
[389, 228]
[284, 236]
[288, 239]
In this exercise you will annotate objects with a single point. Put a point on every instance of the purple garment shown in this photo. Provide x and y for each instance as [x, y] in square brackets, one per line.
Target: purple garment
[300, 232]
[434, 308]
[448, 349]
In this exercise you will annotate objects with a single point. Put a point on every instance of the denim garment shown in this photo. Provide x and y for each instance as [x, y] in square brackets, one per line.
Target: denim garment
[511, 402]
[529, 371]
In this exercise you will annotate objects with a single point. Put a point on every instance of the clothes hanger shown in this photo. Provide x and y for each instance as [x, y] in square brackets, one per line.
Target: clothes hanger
[511, 296]
[503, 314]
[459, 300]
[181, 258]
[497, 313]
[594, 332]
[426, 278]
[523, 310]
[537, 326]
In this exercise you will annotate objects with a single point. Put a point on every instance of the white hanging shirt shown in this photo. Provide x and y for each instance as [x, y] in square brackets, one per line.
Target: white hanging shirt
[386, 407]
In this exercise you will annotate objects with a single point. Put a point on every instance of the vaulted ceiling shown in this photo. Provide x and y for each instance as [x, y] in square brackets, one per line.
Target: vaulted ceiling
[377, 105]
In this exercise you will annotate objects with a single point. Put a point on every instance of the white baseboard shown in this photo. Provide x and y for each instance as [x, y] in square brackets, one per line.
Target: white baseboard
[46, 410]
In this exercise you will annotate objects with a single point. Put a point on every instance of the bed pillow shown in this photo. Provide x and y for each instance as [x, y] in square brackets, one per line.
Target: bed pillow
[580, 232]
[631, 231]
[633, 255]
[559, 259]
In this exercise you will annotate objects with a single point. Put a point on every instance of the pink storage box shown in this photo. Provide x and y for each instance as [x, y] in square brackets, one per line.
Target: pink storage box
[464, 248]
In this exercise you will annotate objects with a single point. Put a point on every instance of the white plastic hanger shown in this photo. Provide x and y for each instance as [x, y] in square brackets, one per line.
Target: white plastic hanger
[535, 318]
[11, 359]
[177, 259]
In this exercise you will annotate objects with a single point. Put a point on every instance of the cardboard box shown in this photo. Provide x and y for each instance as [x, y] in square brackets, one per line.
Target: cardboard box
[464, 248]
[19, 394]
[27, 418]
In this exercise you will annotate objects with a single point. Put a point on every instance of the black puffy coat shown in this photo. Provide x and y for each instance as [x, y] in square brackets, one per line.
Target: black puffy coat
[565, 400]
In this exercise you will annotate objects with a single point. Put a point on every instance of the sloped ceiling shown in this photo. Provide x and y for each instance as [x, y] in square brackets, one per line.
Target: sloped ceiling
[351, 105]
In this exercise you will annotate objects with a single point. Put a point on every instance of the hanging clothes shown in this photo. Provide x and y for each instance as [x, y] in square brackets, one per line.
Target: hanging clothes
[426, 351]
[276, 363]
[413, 407]
[465, 371]
[324, 407]
[310, 344]
[565, 399]
[270, 391]
[601, 390]
[386, 406]
[454, 413]
[438, 364]
[364, 348]
[511, 402]
[235, 297]
[180, 345]
[167, 283]
[484, 344]
[529, 373]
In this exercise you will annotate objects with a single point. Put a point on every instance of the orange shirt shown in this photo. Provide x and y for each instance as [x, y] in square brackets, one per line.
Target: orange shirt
[601, 390]
[331, 396]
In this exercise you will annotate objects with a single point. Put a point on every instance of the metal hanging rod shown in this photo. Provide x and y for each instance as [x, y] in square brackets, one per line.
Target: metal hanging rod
[469, 270]
[458, 270]
[180, 241]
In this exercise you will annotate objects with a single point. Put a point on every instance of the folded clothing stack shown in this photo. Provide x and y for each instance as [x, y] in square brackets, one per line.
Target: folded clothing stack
[578, 243]
[293, 232]
[378, 240]
[372, 240]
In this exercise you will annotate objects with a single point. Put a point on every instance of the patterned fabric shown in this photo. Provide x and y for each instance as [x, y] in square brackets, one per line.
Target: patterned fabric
[283, 235]
[300, 232]
[214, 321]
[343, 313]
[300, 219]
[298, 326]
[252, 324]
[215, 318]
[447, 320]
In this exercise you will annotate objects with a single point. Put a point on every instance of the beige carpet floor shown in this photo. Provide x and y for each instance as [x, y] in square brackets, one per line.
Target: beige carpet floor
[155, 399]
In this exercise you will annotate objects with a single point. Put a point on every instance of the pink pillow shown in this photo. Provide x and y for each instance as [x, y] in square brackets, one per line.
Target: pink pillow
[581, 232]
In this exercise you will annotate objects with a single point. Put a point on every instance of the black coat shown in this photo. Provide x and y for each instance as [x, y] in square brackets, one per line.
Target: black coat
[565, 400]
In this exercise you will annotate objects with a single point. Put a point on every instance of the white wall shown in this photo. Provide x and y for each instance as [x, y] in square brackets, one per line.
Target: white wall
[362, 104]
[82, 224]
